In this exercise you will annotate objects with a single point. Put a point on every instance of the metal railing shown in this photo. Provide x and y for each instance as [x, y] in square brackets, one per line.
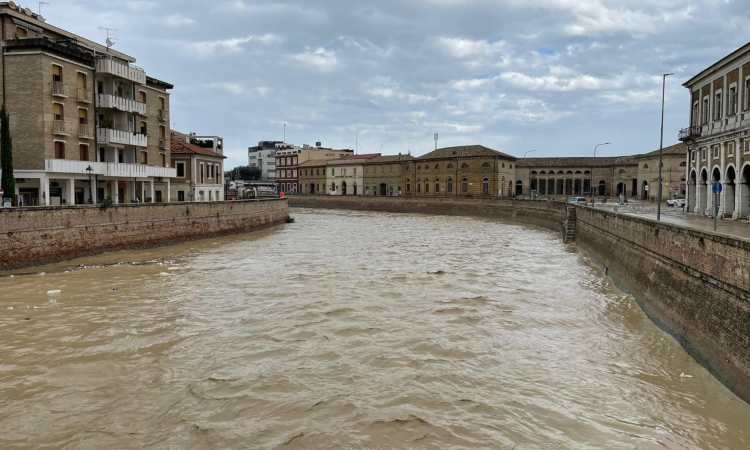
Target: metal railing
[108, 169]
[58, 127]
[690, 132]
[121, 69]
[122, 137]
[84, 131]
[59, 89]
[121, 103]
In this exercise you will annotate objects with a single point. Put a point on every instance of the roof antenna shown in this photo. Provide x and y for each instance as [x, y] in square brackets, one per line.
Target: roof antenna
[110, 41]
[436, 140]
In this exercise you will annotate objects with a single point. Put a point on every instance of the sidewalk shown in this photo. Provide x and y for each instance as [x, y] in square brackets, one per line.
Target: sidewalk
[739, 229]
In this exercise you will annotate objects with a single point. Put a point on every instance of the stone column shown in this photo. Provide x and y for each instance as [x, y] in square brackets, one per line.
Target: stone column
[115, 192]
[169, 190]
[92, 190]
[722, 178]
[698, 195]
[153, 194]
[70, 191]
[44, 191]
[709, 197]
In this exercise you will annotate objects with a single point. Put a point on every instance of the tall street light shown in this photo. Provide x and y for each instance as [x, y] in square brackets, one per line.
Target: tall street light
[591, 181]
[524, 157]
[661, 145]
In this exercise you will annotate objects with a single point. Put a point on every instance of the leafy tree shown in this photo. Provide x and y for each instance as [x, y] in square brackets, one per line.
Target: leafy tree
[245, 173]
[6, 156]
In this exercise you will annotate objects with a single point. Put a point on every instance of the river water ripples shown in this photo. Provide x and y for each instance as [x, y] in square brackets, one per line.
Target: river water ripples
[348, 330]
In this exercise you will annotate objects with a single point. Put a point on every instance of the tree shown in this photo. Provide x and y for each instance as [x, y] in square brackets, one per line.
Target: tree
[246, 173]
[6, 156]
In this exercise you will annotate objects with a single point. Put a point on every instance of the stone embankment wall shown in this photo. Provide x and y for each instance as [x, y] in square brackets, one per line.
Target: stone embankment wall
[31, 236]
[695, 285]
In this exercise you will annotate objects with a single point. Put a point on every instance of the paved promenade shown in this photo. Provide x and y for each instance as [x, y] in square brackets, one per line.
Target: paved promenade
[734, 228]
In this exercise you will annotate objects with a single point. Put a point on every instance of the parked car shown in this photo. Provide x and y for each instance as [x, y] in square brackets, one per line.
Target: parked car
[676, 203]
[577, 200]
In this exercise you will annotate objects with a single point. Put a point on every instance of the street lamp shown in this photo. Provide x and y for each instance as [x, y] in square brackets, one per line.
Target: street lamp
[661, 144]
[591, 186]
[524, 157]
[91, 184]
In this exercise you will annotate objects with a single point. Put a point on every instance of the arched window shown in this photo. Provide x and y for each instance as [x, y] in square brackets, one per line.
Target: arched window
[449, 166]
[486, 186]
[437, 166]
[426, 187]
[449, 185]
[464, 166]
[437, 186]
[486, 165]
[645, 166]
[465, 186]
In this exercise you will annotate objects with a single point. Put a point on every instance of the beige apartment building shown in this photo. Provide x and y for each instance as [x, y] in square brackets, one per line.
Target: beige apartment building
[199, 165]
[718, 137]
[288, 161]
[86, 123]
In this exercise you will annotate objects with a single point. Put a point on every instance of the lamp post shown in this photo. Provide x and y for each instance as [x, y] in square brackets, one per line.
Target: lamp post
[661, 145]
[91, 184]
[596, 148]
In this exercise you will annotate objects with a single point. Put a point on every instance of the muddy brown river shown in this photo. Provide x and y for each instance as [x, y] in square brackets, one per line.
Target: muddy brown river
[348, 330]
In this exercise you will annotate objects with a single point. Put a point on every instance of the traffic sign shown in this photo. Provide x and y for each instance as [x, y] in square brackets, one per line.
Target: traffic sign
[717, 188]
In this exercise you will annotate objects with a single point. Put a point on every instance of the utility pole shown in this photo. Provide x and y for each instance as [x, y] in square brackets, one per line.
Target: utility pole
[591, 182]
[661, 146]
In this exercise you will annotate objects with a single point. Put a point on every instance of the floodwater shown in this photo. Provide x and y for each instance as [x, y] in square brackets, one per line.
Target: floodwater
[348, 330]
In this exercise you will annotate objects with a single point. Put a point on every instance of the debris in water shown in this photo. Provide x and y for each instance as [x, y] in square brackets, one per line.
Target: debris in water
[54, 292]
[684, 375]
[163, 274]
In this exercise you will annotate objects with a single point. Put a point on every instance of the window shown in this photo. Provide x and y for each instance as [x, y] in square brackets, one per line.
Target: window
[732, 101]
[437, 186]
[144, 127]
[162, 132]
[57, 73]
[83, 152]
[485, 186]
[692, 156]
[486, 165]
[717, 106]
[180, 196]
[426, 187]
[142, 97]
[82, 85]
[59, 150]
[164, 160]
[58, 111]
[99, 87]
[83, 116]
[464, 186]
[464, 166]
[144, 158]
[449, 186]
[747, 94]
[180, 169]
[704, 112]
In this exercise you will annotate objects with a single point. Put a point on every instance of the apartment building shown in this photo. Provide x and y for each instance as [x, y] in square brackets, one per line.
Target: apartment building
[718, 137]
[263, 157]
[199, 166]
[288, 163]
[86, 123]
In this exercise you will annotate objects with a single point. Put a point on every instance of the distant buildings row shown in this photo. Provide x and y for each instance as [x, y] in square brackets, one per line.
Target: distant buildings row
[88, 125]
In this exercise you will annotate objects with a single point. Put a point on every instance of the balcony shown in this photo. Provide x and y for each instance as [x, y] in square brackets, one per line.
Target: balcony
[59, 89]
[109, 169]
[120, 137]
[121, 69]
[85, 131]
[689, 133]
[58, 128]
[83, 95]
[121, 104]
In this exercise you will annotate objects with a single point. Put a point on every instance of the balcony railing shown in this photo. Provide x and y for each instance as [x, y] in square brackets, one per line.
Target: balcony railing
[84, 131]
[58, 127]
[83, 95]
[691, 133]
[121, 103]
[109, 169]
[59, 89]
[122, 137]
[121, 69]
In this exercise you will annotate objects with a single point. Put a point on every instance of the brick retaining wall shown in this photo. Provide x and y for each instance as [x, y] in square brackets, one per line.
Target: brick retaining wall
[695, 285]
[31, 236]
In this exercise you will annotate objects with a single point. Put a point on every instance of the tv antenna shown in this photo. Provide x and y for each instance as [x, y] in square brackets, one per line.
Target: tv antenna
[437, 136]
[110, 41]
[39, 7]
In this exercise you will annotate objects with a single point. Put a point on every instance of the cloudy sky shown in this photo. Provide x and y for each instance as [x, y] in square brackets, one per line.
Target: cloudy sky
[554, 76]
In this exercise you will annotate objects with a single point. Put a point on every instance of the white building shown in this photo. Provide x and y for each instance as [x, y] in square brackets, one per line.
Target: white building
[263, 157]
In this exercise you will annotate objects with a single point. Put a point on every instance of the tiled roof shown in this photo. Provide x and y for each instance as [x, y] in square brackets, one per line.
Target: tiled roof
[465, 151]
[180, 147]
[676, 149]
[577, 161]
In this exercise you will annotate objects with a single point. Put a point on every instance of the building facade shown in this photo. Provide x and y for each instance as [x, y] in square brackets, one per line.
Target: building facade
[288, 164]
[718, 137]
[86, 123]
[465, 171]
[674, 162]
[263, 158]
[385, 175]
[199, 169]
